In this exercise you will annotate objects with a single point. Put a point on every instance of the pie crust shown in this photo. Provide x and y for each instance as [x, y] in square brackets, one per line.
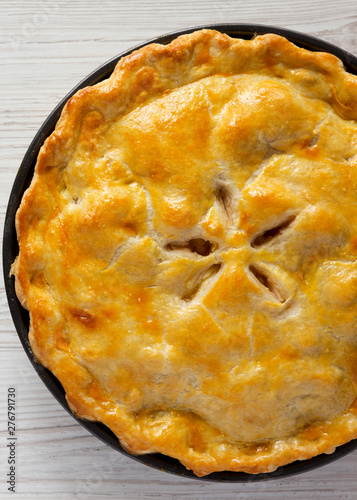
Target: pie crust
[188, 252]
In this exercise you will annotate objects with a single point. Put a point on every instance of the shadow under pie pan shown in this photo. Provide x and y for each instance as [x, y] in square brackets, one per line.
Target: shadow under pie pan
[10, 250]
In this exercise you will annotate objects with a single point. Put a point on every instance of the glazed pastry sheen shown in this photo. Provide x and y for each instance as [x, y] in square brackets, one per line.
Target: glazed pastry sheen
[188, 252]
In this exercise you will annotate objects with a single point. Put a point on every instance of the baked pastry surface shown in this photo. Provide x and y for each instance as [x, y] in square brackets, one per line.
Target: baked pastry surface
[188, 252]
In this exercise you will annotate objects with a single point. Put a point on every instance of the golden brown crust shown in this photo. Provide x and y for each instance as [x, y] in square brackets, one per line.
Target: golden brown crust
[188, 257]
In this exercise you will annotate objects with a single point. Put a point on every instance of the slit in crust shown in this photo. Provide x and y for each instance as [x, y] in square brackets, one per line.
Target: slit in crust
[225, 200]
[195, 283]
[268, 283]
[196, 245]
[268, 235]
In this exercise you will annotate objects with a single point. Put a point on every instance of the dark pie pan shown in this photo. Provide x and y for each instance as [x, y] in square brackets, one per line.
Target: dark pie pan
[10, 250]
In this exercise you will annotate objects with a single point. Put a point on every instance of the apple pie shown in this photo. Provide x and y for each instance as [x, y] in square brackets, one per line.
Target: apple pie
[187, 252]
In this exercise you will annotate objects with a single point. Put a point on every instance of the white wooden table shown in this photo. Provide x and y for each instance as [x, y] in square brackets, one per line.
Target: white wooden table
[46, 47]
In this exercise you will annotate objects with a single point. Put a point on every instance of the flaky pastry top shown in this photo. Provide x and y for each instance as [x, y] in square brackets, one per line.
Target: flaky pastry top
[188, 252]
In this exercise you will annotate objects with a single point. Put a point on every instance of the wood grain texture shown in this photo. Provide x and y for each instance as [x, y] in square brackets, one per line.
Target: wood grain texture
[47, 47]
